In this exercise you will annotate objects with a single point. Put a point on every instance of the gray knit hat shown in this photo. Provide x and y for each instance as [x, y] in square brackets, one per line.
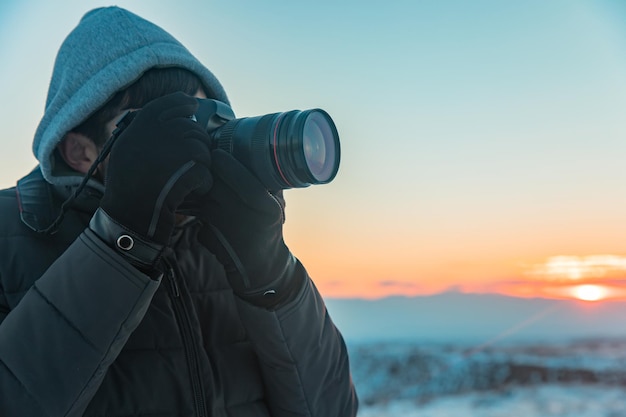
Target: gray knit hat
[108, 50]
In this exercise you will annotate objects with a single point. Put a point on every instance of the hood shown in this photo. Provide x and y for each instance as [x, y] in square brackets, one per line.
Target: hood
[108, 50]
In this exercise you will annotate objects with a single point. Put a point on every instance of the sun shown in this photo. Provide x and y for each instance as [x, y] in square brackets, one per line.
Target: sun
[589, 292]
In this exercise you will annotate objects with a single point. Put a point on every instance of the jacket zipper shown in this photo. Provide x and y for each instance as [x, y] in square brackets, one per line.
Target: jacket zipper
[189, 346]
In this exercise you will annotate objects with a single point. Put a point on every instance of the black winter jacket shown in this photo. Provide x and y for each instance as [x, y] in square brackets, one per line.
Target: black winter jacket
[84, 333]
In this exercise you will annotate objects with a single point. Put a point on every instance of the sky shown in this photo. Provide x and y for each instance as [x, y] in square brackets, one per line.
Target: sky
[482, 141]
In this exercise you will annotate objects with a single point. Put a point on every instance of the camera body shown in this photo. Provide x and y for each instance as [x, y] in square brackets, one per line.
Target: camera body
[292, 149]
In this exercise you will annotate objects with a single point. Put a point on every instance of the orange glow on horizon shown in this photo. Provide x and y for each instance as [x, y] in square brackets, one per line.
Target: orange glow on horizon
[584, 292]
[337, 274]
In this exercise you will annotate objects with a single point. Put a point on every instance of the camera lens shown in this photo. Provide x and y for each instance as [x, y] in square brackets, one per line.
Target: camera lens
[284, 150]
[319, 147]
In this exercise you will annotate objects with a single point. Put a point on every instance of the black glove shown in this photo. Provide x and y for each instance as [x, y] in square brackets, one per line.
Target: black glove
[245, 232]
[161, 158]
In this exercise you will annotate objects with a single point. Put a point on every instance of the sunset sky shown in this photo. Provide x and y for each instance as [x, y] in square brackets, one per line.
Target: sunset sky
[483, 142]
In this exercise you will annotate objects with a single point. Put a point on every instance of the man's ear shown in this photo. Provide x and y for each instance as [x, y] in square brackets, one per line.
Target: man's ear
[78, 151]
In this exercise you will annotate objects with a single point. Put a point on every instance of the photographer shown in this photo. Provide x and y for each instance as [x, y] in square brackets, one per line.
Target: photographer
[114, 301]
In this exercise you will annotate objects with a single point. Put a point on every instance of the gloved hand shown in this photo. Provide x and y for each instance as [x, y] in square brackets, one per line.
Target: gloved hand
[244, 229]
[160, 159]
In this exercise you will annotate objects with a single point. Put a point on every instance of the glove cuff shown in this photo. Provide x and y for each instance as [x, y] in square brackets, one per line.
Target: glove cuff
[137, 250]
[279, 292]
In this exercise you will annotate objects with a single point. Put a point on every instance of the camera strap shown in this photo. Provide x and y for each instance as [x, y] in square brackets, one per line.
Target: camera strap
[106, 149]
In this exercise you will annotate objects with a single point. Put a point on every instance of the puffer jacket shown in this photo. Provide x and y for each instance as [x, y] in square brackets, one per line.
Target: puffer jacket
[84, 333]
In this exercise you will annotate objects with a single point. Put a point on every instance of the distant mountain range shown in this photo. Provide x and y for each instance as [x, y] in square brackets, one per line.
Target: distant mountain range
[475, 318]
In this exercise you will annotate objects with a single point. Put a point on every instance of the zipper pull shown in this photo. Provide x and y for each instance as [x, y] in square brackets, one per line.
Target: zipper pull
[173, 284]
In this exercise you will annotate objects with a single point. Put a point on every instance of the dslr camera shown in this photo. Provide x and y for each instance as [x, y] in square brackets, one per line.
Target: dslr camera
[293, 149]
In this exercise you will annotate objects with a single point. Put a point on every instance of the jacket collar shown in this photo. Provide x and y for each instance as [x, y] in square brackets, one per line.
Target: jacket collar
[40, 203]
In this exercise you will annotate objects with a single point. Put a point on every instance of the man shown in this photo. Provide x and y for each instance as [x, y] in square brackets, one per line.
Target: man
[112, 302]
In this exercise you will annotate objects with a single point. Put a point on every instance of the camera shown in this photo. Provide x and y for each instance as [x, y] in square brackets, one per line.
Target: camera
[292, 149]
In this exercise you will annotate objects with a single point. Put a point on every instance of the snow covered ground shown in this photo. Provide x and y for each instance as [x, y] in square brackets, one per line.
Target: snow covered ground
[580, 378]
[543, 401]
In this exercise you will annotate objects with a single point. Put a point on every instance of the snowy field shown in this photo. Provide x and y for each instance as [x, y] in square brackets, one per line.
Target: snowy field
[582, 378]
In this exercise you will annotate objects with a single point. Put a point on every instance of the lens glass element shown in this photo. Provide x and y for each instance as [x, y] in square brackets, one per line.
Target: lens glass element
[319, 146]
